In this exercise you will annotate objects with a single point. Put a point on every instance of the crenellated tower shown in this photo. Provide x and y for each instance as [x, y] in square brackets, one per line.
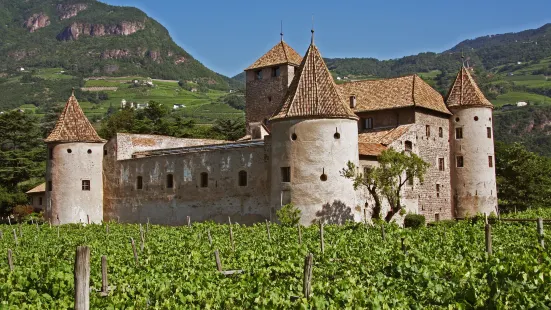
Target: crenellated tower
[74, 180]
[267, 81]
[473, 177]
[314, 135]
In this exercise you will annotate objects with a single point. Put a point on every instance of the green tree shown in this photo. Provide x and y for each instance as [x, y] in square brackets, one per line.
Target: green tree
[367, 179]
[288, 215]
[523, 178]
[232, 129]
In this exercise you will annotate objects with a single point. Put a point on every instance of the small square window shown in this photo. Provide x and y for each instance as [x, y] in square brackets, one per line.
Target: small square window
[459, 161]
[285, 174]
[139, 182]
[441, 166]
[51, 153]
[490, 161]
[39, 201]
[204, 179]
[49, 186]
[440, 132]
[489, 132]
[242, 178]
[258, 75]
[408, 146]
[368, 123]
[169, 181]
[85, 185]
[276, 71]
[459, 133]
[427, 130]
[437, 190]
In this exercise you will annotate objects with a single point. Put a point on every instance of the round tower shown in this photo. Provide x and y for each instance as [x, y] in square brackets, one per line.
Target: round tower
[74, 178]
[314, 135]
[472, 148]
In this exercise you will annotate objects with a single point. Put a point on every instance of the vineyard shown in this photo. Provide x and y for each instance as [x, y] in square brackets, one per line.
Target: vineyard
[361, 266]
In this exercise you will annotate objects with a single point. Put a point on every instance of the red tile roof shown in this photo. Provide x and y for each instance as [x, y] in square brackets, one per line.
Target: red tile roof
[374, 142]
[371, 149]
[73, 126]
[280, 54]
[313, 93]
[465, 92]
[411, 90]
[37, 190]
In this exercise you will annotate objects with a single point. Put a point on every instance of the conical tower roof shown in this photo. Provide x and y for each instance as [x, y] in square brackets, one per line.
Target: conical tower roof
[280, 54]
[73, 126]
[313, 93]
[465, 93]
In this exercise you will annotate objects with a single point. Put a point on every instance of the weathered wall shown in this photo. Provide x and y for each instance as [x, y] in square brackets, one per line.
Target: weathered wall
[67, 201]
[314, 152]
[388, 118]
[474, 185]
[222, 198]
[264, 97]
[430, 148]
[36, 201]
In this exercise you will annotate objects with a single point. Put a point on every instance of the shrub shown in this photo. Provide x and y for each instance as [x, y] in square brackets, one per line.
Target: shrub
[21, 211]
[288, 215]
[414, 220]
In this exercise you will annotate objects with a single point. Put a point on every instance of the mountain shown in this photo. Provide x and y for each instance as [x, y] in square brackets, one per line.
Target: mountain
[88, 38]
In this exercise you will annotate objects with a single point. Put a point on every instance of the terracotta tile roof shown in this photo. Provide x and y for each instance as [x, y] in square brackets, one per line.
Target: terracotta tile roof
[39, 189]
[374, 142]
[280, 54]
[313, 93]
[73, 126]
[371, 149]
[465, 92]
[411, 90]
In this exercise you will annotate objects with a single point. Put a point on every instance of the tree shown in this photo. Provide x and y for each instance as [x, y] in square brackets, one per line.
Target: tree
[523, 178]
[232, 129]
[388, 179]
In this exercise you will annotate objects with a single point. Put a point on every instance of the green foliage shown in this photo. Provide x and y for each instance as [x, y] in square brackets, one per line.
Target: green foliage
[445, 267]
[288, 215]
[231, 129]
[523, 178]
[414, 220]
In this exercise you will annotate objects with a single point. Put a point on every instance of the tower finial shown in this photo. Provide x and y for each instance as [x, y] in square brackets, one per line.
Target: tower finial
[312, 42]
[462, 58]
[73, 92]
[281, 33]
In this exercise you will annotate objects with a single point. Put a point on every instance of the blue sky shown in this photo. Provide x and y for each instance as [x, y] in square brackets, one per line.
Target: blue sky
[227, 36]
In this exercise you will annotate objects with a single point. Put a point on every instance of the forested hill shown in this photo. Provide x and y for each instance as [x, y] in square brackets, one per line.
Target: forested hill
[90, 38]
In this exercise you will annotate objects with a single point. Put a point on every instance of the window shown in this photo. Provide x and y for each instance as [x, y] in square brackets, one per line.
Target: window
[69, 151]
[49, 186]
[104, 152]
[459, 161]
[85, 185]
[139, 182]
[89, 151]
[476, 118]
[204, 179]
[408, 146]
[440, 132]
[39, 201]
[368, 123]
[490, 161]
[437, 190]
[258, 75]
[441, 166]
[269, 99]
[169, 181]
[285, 174]
[427, 130]
[242, 178]
[367, 171]
[459, 133]
[51, 153]
[352, 102]
[489, 132]
[337, 135]
[276, 72]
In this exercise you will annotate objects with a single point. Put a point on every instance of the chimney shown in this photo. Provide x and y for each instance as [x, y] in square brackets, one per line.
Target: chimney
[353, 101]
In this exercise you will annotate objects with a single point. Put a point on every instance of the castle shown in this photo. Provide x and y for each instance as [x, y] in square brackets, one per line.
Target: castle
[302, 130]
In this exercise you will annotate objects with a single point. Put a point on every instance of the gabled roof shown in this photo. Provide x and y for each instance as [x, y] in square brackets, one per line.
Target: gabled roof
[73, 126]
[374, 141]
[280, 54]
[465, 92]
[406, 91]
[313, 93]
[37, 190]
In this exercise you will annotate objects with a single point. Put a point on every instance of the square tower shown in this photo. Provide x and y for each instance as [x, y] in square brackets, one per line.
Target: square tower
[267, 81]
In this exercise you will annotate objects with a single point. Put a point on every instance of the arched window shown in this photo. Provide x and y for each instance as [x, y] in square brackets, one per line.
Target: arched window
[204, 179]
[408, 146]
[169, 181]
[139, 182]
[242, 178]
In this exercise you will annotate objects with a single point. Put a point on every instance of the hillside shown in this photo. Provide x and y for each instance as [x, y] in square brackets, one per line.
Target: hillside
[86, 38]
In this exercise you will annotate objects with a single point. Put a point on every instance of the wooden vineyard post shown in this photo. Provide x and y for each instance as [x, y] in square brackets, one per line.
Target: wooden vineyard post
[365, 216]
[322, 242]
[15, 238]
[147, 227]
[383, 232]
[307, 279]
[82, 278]
[218, 262]
[142, 238]
[134, 250]
[58, 231]
[210, 237]
[541, 238]
[485, 218]
[231, 237]
[488, 231]
[107, 229]
[88, 219]
[9, 220]
[1, 235]
[50, 222]
[10, 260]
[104, 282]
[188, 221]
[299, 234]
[268, 231]
[20, 231]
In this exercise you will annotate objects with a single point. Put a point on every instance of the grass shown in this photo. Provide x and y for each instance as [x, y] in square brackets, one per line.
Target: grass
[52, 74]
[514, 97]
